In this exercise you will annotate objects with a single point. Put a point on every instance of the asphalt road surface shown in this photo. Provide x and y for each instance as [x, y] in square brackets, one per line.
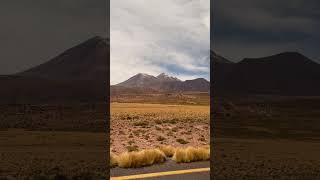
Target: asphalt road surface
[169, 166]
[191, 176]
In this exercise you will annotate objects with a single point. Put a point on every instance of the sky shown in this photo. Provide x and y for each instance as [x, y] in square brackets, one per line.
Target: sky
[34, 31]
[257, 28]
[153, 37]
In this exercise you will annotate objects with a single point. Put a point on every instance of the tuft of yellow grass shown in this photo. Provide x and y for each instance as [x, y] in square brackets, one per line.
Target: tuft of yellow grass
[141, 158]
[113, 160]
[207, 147]
[167, 150]
[191, 154]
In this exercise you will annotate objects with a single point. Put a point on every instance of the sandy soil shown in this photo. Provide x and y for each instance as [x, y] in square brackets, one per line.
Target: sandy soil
[136, 126]
[30, 154]
[265, 159]
[66, 117]
[50, 141]
[266, 138]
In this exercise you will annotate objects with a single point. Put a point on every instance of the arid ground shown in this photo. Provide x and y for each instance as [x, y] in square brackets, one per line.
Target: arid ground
[180, 121]
[53, 141]
[137, 126]
[266, 138]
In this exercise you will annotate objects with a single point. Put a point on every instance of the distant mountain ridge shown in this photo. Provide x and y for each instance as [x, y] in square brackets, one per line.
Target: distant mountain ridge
[218, 59]
[86, 61]
[79, 74]
[288, 73]
[165, 77]
[164, 82]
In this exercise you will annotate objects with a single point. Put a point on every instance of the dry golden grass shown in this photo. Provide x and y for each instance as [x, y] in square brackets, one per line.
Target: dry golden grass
[191, 154]
[168, 150]
[161, 113]
[191, 98]
[113, 160]
[155, 156]
[207, 147]
[141, 158]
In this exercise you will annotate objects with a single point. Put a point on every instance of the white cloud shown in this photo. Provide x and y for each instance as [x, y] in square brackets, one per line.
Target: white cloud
[152, 36]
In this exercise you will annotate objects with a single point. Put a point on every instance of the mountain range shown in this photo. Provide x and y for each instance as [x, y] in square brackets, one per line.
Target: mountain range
[86, 61]
[81, 74]
[288, 73]
[164, 82]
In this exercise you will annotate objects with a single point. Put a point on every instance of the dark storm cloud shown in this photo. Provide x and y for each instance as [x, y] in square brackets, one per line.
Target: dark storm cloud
[253, 28]
[34, 31]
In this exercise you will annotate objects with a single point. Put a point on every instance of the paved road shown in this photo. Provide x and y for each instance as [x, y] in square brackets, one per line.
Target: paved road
[168, 166]
[192, 176]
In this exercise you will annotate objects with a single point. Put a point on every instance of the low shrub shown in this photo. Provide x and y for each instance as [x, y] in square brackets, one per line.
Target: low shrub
[113, 160]
[182, 141]
[167, 150]
[191, 154]
[141, 158]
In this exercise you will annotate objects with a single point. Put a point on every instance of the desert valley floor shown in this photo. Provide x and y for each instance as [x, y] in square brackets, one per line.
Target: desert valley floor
[137, 126]
[53, 141]
[266, 137]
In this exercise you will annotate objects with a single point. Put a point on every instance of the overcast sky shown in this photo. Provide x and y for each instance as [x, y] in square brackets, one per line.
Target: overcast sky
[256, 28]
[152, 36]
[34, 31]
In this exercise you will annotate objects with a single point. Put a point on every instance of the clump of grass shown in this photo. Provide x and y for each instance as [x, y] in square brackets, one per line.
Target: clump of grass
[207, 147]
[158, 121]
[170, 133]
[160, 138]
[131, 142]
[113, 159]
[136, 133]
[132, 148]
[167, 150]
[191, 154]
[175, 129]
[131, 135]
[146, 137]
[141, 123]
[170, 121]
[158, 128]
[173, 121]
[182, 141]
[141, 158]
